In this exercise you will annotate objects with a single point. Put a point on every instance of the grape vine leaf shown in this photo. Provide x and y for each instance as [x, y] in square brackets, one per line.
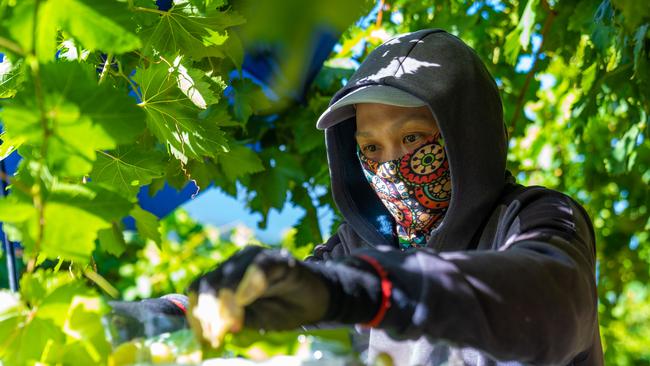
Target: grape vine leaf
[248, 99]
[173, 118]
[239, 162]
[39, 39]
[633, 11]
[147, 224]
[11, 76]
[66, 329]
[111, 240]
[271, 186]
[8, 145]
[86, 336]
[81, 117]
[72, 216]
[195, 84]
[205, 5]
[519, 38]
[127, 168]
[104, 25]
[234, 49]
[90, 207]
[27, 345]
[113, 111]
[195, 35]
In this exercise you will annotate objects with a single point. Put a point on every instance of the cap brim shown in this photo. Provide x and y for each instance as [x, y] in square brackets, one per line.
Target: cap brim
[343, 109]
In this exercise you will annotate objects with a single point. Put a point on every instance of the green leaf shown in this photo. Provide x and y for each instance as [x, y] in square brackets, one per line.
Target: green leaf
[9, 304]
[240, 161]
[90, 207]
[195, 84]
[64, 325]
[127, 168]
[519, 38]
[80, 116]
[8, 145]
[27, 346]
[103, 25]
[19, 219]
[147, 224]
[205, 5]
[11, 76]
[249, 99]
[234, 49]
[97, 24]
[111, 240]
[270, 189]
[195, 35]
[21, 27]
[634, 12]
[87, 343]
[113, 111]
[73, 242]
[624, 155]
[639, 43]
[92, 198]
[173, 118]
[588, 77]
[54, 305]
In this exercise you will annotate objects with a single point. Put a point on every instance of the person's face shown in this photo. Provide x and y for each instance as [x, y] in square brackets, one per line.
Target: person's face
[386, 132]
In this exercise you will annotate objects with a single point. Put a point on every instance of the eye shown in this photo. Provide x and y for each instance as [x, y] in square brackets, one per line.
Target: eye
[411, 138]
[369, 148]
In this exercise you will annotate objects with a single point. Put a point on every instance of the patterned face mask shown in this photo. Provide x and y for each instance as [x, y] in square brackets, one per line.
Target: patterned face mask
[415, 189]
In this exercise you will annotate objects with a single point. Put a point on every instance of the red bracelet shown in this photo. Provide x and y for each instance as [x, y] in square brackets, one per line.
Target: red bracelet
[386, 290]
[178, 304]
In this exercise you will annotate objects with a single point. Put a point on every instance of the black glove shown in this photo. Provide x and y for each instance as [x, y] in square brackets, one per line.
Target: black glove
[147, 318]
[297, 293]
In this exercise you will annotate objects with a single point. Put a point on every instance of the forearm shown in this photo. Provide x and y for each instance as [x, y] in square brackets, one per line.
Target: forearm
[533, 303]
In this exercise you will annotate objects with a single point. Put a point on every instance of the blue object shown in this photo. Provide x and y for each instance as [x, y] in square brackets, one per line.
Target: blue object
[8, 166]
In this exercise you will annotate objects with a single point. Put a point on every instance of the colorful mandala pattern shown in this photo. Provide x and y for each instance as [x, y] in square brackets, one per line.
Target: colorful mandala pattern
[415, 189]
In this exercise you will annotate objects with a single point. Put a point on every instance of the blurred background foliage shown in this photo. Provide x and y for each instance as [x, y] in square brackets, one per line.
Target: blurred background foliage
[574, 77]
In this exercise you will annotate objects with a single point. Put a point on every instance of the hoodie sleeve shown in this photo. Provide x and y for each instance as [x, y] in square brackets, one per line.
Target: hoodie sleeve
[338, 246]
[533, 299]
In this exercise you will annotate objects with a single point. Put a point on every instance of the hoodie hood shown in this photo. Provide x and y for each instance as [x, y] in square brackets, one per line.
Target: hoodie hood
[440, 69]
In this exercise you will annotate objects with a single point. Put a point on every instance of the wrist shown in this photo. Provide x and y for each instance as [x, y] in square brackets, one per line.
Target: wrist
[386, 287]
[355, 290]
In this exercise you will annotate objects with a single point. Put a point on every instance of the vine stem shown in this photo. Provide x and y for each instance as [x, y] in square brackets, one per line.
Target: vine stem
[15, 184]
[120, 73]
[149, 10]
[531, 73]
[100, 281]
[11, 46]
[37, 193]
[107, 66]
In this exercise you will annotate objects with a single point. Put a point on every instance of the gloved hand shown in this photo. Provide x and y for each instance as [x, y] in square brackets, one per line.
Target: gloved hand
[268, 289]
[147, 318]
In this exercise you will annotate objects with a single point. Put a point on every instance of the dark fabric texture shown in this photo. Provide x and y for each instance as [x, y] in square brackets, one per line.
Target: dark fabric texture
[147, 318]
[508, 277]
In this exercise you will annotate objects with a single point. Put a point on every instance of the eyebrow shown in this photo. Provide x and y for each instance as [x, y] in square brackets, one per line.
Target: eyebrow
[417, 120]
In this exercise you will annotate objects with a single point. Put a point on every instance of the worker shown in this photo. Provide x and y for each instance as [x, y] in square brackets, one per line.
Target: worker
[442, 255]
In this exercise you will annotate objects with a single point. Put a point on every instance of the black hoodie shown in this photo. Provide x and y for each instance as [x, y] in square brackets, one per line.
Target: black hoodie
[509, 274]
